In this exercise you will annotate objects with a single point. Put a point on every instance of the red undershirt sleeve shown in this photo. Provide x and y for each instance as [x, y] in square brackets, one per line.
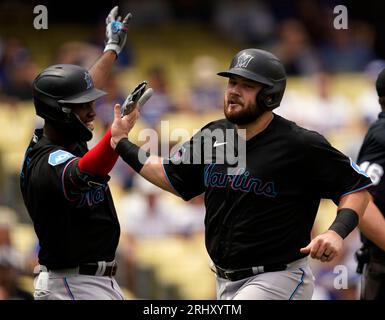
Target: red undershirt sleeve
[100, 160]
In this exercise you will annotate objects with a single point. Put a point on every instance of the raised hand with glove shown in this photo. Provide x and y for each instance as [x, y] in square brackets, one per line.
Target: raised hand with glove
[129, 112]
[116, 31]
[137, 97]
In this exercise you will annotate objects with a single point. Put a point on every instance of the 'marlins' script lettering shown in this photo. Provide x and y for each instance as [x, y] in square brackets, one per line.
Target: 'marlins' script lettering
[242, 182]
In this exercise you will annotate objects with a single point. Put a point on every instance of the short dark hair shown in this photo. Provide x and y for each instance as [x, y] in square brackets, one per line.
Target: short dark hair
[381, 101]
[380, 84]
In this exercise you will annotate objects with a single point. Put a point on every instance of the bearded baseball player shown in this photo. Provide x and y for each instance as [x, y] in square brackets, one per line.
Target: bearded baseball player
[64, 185]
[259, 216]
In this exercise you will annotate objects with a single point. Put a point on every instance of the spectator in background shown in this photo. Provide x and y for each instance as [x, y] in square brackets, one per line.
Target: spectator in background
[7, 220]
[149, 13]
[348, 50]
[326, 104]
[78, 53]
[152, 216]
[17, 71]
[115, 95]
[11, 261]
[195, 11]
[206, 91]
[316, 16]
[191, 216]
[10, 268]
[295, 50]
[311, 111]
[3, 179]
[367, 101]
[144, 215]
[161, 101]
[293, 106]
[245, 21]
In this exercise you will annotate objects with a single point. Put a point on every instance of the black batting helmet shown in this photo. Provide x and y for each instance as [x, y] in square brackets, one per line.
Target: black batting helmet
[58, 87]
[263, 67]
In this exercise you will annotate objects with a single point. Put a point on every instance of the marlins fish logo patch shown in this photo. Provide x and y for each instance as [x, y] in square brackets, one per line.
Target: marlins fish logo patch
[59, 157]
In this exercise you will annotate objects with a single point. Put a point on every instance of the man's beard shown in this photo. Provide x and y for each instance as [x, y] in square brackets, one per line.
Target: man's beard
[247, 114]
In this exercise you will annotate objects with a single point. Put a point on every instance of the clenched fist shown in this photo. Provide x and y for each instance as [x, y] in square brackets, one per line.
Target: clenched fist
[324, 247]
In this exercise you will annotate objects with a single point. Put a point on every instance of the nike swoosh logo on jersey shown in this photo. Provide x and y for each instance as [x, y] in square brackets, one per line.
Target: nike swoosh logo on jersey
[217, 144]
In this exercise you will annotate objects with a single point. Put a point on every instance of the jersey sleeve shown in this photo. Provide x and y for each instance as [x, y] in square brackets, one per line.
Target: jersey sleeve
[330, 173]
[75, 182]
[61, 171]
[371, 159]
[185, 169]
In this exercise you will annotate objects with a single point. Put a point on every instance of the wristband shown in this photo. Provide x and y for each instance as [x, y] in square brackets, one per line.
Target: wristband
[113, 47]
[134, 156]
[345, 222]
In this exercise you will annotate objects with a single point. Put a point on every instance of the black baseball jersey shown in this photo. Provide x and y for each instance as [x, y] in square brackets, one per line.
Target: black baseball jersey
[372, 160]
[265, 213]
[74, 217]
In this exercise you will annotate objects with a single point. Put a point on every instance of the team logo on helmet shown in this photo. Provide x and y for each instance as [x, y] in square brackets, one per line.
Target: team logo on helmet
[88, 80]
[243, 60]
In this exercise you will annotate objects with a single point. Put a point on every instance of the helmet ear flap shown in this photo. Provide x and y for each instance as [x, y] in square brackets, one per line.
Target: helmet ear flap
[261, 100]
[269, 98]
[265, 99]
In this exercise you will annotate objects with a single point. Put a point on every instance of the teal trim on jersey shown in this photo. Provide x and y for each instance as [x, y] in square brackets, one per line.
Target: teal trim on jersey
[357, 168]
[296, 289]
[165, 173]
[345, 194]
[68, 289]
[117, 291]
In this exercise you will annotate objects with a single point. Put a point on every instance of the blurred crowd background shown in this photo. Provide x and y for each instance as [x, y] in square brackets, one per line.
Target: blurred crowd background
[178, 46]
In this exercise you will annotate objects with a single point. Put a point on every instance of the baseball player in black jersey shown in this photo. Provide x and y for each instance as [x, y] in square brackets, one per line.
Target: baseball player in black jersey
[371, 257]
[64, 185]
[260, 209]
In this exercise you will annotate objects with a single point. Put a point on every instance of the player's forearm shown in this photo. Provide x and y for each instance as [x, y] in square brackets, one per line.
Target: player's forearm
[100, 160]
[357, 201]
[148, 166]
[101, 69]
[153, 171]
[350, 210]
[372, 225]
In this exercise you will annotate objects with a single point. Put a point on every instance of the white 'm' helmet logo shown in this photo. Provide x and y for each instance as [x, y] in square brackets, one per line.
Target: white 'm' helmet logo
[243, 60]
